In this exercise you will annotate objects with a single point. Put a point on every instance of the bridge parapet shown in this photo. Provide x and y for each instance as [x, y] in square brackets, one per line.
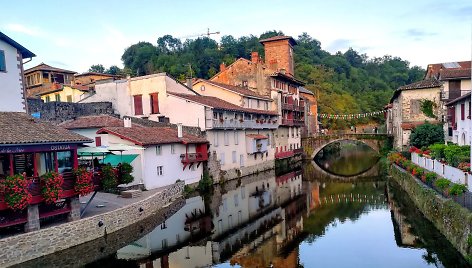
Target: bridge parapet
[312, 145]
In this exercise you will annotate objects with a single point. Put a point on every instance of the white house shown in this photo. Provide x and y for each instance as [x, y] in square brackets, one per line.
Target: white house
[11, 74]
[167, 154]
[459, 122]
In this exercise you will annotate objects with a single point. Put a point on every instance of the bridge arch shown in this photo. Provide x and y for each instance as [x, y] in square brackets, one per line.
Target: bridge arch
[318, 171]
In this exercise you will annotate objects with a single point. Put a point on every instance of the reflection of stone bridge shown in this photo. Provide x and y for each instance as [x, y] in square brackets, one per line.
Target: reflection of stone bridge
[312, 145]
[316, 172]
[353, 198]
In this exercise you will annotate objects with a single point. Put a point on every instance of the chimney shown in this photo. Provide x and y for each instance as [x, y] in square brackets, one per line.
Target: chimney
[254, 57]
[282, 71]
[127, 121]
[222, 67]
[179, 131]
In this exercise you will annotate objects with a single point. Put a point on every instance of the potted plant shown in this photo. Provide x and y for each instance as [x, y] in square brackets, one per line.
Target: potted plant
[457, 189]
[443, 184]
[15, 189]
[84, 181]
[109, 178]
[51, 187]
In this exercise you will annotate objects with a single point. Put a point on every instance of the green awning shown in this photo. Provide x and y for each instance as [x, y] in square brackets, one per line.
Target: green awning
[114, 159]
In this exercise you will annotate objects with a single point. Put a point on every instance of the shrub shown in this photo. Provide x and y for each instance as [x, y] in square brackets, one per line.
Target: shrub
[51, 187]
[109, 178]
[454, 154]
[84, 181]
[442, 183]
[16, 192]
[430, 177]
[457, 189]
[437, 150]
[125, 172]
[426, 134]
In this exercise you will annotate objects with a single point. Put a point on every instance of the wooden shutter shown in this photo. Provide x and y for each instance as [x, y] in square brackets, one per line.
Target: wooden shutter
[154, 103]
[3, 66]
[452, 114]
[138, 104]
[462, 111]
[98, 141]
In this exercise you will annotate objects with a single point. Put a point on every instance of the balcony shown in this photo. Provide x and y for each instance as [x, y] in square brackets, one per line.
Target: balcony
[193, 158]
[243, 124]
[282, 155]
[287, 122]
[287, 106]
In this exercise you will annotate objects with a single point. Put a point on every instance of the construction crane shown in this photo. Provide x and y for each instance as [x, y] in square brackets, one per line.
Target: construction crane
[207, 34]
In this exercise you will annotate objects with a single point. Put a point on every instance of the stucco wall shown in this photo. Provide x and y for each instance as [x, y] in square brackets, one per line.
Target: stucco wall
[75, 94]
[10, 81]
[461, 135]
[182, 111]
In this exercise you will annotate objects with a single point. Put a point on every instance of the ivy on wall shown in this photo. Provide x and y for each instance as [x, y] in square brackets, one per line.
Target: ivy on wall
[428, 107]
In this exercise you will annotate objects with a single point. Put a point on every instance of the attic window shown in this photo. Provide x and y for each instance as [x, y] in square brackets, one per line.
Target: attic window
[202, 87]
[244, 83]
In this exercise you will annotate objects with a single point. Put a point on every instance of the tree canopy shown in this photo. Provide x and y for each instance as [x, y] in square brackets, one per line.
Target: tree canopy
[344, 83]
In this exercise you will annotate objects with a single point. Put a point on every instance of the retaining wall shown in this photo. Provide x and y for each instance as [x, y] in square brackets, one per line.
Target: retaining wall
[452, 220]
[451, 173]
[28, 246]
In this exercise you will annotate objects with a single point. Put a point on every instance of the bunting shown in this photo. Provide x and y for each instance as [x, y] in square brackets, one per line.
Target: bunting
[351, 116]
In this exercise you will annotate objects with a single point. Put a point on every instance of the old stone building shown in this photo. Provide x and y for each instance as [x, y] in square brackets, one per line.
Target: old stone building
[405, 109]
[42, 78]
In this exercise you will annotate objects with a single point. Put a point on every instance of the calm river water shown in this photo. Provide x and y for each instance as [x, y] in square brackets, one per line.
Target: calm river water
[301, 218]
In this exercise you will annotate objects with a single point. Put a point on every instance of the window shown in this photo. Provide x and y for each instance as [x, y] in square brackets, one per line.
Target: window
[241, 160]
[226, 135]
[462, 111]
[469, 110]
[266, 105]
[138, 104]
[3, 65]
[160, 171]
[164, 243]
[154, 103]
[222, 158]
[236, 138]
[245, 83]
[202, 88]
[192, 168]
[69, 98]
[158, 150]
[172, 148]
[414, 107]
[236, 200]
[225, 204]
[258, 103]
[58, 97]
[64, 161]
[234, 156]
[98, 141]
[243, 192]
[215, 115]
[48, 99]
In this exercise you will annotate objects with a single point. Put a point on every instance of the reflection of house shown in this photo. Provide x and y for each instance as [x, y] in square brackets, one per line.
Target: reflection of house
[167, 154]
[64, 93]
[168, 245]
[32, 149]
[458, 120]
[406, 109]
[11, 74]
[273, 78]
[42, 78]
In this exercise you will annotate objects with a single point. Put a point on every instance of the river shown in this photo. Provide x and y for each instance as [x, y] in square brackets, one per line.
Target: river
[324, 214]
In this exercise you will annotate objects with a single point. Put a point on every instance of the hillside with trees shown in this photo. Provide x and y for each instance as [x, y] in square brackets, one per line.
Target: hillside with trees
[345, 83]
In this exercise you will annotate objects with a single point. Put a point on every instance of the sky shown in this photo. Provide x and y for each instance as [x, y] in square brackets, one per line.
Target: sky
[77, 34]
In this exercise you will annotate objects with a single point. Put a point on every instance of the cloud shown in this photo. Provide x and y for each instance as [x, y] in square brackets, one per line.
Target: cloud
[418, 34]
[23, 29]
[339, 44]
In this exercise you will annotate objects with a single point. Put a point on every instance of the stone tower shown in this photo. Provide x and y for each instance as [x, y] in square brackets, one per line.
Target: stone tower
[279, 54]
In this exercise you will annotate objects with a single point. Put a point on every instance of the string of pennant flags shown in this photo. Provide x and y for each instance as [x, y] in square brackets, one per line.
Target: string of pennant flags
[350, 116]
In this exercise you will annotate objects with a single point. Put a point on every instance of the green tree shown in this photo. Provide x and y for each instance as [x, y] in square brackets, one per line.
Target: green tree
[97, 68]
[426, 134]
[114, 70]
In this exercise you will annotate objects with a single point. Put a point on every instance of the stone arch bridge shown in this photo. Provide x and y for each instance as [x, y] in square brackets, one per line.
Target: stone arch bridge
[312, 145]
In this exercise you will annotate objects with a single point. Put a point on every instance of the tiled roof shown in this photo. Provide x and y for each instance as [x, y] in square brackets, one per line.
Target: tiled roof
[412, 125]
[220, 104]
[287, 77]
[239, 90]
[446, 74]
[95, 73]
[55, 87]
[45, 67]
[427, 83]
[456, 100]
[433, 70]
[20, 128]
[304, 90]
[277, 38]
[94, 121]
[151, 135]
[25, 53]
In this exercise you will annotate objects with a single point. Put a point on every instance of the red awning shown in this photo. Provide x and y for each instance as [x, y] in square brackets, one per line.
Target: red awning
[256, 136]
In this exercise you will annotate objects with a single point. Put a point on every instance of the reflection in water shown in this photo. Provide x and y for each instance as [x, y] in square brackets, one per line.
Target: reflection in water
[346, 158]
[284, 221]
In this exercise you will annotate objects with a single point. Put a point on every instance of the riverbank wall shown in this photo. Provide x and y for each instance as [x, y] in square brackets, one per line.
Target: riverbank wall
[24, 247]
[451, 219]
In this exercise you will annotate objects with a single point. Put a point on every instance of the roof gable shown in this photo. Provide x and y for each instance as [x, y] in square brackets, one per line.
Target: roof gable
[45, 67]
[236, 89]
[94, 121]
[25, 53]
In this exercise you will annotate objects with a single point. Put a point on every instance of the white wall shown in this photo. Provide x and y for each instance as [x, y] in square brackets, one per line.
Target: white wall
[90, 133]
[182, 111]
[462, 135]
[12, 91]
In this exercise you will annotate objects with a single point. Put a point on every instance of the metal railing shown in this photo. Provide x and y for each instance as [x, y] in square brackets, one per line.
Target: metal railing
[241, 123]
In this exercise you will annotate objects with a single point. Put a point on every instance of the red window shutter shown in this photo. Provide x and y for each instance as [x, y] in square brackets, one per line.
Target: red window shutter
[98, 141]
[462, 111]
[154, 103]
[138, 104]
[453, 116]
